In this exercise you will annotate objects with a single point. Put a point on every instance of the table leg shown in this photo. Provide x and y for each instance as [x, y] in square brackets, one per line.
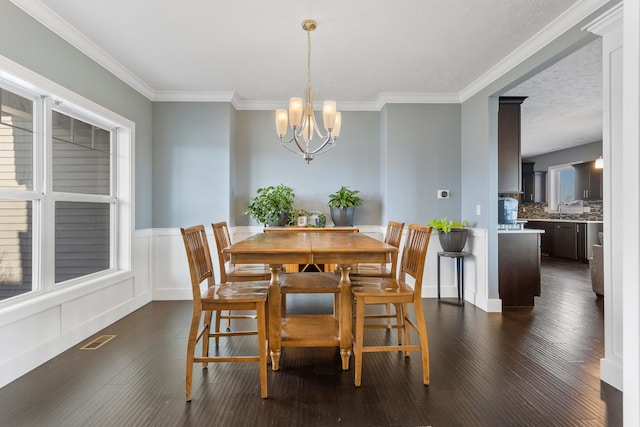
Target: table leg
[346, 334]
[438, 277]
[462, 281]
[275, 316]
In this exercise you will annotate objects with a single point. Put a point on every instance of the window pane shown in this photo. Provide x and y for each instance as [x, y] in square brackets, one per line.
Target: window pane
[566, 188]
[15, 248]
[81, 156]
[16, 141]
[82, 239]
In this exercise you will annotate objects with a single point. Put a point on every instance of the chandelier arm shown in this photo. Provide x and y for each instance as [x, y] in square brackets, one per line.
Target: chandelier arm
[327, 141]
[284, 144]
[294, 138]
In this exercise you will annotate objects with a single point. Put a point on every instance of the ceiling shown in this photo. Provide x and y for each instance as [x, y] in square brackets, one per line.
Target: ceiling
[254, 53]
[564, 104]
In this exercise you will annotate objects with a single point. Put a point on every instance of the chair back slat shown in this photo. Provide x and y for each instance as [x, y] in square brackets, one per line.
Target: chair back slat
[223, 240]
[414, 255]
[393, 237]
[394, 233]
[199, 257]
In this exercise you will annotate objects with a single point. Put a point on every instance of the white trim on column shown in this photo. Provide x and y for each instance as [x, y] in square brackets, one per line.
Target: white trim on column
[609, 27]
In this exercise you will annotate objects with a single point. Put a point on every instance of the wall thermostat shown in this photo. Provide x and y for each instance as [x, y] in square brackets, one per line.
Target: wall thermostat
[443, 194]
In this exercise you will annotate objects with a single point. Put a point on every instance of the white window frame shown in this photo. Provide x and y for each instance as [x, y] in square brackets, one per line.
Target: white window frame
[48, 94]
[553, 173]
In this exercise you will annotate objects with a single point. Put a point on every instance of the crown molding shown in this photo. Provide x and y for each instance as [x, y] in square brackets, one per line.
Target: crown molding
[59, 26]
[576, 13]
[608, 21]
[189, 96]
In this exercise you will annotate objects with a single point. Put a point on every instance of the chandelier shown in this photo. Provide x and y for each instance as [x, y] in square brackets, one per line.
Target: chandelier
[302, 119]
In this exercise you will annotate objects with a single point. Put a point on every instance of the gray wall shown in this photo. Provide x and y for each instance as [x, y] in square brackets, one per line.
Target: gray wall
[33, 46]
[353, 162]
[422, 155]
[191, 163]
[209, 159]
[579, 154]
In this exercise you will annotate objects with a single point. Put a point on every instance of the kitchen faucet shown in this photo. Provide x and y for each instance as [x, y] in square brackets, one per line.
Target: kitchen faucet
[559, 208]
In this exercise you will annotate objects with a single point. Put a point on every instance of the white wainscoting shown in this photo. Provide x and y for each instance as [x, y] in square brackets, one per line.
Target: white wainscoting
[170, 273]
[36, 329]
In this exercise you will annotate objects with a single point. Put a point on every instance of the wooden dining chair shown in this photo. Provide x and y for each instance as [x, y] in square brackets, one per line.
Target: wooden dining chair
[234, 272]
[250, 296]
[392, 236]
[371, 290]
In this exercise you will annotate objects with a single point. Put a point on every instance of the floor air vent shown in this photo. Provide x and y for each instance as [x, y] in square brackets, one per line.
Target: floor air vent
[98, 342]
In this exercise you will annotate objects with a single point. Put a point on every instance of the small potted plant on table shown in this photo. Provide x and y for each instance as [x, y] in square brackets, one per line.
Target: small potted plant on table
[452, 234]
[273, 206]
[343, 204]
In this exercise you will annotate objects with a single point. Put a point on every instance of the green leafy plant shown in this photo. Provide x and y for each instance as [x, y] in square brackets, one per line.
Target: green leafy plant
[271, 204]
[445, 225]
[345, 198]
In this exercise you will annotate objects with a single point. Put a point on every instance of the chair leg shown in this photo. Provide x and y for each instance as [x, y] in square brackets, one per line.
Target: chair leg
[399, 320]
[357, 350]
[406, 328]
[424, 341]
[191, 349]
[262, 347]
[283, 305]
[205, 336]
[217, 326]
[229, 321]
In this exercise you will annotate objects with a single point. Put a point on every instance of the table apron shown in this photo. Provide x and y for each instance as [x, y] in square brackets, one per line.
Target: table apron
[271, 258]
[348, 258]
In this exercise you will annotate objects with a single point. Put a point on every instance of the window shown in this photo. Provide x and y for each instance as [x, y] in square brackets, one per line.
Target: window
[561, 185]
[65, 215]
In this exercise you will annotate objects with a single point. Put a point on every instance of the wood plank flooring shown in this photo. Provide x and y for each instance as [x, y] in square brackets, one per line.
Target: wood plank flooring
[525, 367]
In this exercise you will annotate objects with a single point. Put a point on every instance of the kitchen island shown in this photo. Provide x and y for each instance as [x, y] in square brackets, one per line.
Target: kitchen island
[519, 267]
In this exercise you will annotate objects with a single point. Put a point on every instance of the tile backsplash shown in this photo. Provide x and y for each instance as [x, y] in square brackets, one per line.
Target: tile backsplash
[538, 211]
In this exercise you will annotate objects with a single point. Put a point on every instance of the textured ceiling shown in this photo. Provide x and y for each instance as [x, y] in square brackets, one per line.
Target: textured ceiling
[254, 52]
[564, 104]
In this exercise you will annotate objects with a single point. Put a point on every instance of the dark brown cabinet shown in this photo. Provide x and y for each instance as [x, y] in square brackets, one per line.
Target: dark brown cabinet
[572, 240]
[518, 268]
[509, 173]
[565, 240]
[588, 181]
[534, 184]
[546, 238]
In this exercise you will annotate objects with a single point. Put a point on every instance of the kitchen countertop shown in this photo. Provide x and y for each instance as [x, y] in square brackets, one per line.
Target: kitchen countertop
[523, 231]
[560, 220]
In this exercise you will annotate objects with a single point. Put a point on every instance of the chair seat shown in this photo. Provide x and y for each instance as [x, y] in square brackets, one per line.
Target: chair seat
[382, 287]
[237, 272]
[310, 283]
[236, 291]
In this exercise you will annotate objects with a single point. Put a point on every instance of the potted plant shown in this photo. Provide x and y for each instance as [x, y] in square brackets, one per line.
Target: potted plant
[452, 234]
[303, 217]
[343, 204]
[273, 206]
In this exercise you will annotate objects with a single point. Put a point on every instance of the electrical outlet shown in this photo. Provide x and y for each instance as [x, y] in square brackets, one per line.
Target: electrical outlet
[443, 194]
[478, 210]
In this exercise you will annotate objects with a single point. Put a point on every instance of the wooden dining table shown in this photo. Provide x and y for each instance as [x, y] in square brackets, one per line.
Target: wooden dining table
[309, 247]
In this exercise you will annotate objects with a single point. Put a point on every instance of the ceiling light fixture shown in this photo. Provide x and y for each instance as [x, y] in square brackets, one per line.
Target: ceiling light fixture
[301, 117]
[599, 163]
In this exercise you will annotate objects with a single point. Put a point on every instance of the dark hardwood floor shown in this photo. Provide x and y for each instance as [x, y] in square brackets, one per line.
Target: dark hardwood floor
[524, 367]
